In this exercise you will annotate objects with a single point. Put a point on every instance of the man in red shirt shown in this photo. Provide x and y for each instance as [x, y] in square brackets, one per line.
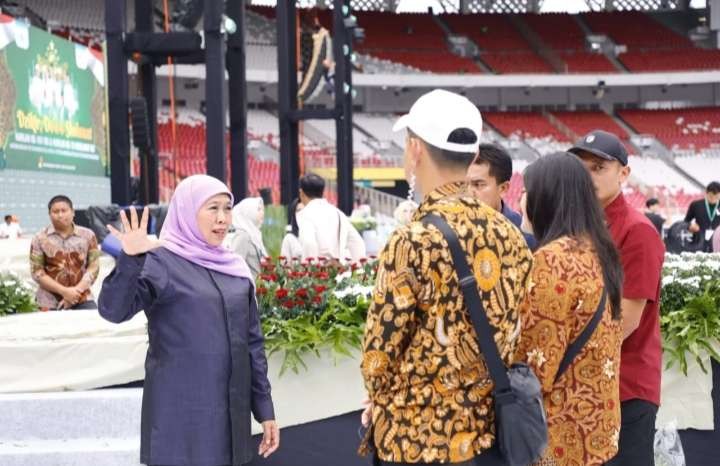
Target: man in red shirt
[642, 254]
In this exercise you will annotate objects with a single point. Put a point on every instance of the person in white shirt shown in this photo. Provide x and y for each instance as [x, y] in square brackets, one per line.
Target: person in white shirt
[10, 229]
[291, 247]
[325, 231]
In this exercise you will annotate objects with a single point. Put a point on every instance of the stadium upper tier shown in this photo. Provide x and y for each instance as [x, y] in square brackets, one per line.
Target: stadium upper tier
[376, 146]
[500, 43]
[690, 128]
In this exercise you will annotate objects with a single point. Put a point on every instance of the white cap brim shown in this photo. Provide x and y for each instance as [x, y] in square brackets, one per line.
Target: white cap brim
[402, 123]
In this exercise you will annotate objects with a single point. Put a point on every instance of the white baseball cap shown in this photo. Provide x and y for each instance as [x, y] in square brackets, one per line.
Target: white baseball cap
[437, 114]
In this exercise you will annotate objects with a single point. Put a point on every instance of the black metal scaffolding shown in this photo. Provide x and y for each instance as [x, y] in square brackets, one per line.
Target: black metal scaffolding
[289, 115]
[153, 49]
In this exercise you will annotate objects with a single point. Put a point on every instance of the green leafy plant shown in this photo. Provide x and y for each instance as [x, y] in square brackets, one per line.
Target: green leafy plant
[690, 308]
[364, 223]
[16, 296]
[273, 228]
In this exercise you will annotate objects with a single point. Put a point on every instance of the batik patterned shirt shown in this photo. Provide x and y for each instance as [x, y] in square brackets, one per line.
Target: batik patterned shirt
[583, 406]
[428, 382]
[69, 261]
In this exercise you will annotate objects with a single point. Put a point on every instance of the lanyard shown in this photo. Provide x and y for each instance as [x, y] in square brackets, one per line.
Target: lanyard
[711, 215]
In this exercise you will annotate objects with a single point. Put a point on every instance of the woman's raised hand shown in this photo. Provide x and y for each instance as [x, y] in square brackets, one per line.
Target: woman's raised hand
[134, 238]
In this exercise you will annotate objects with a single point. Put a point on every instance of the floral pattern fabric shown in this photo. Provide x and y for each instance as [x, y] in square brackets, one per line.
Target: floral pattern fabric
[69, 261]
[422, 366]
[583, 406]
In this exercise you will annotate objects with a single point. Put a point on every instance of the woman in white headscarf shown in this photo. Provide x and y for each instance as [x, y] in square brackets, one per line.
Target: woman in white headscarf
[404, 211]
[247, 218]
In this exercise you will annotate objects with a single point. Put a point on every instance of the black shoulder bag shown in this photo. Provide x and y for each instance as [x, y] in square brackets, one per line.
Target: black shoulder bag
[520, 421]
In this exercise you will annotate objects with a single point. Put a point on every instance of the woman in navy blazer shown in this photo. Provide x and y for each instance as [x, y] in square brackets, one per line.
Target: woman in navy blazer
[205, 371]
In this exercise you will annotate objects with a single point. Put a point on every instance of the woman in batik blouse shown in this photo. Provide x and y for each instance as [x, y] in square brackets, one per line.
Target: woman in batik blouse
[575, 262]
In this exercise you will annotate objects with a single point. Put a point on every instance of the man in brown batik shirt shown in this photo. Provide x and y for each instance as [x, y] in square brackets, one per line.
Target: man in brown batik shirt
[429, 388]
[64, 260]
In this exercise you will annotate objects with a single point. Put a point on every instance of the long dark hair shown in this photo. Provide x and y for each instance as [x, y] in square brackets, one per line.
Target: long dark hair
[561, 201]
[292, 210]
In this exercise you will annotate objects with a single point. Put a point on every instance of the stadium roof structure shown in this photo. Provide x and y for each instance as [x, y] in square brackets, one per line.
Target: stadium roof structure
[497, 6]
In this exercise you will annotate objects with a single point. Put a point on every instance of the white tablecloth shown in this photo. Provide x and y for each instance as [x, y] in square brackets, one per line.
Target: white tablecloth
[687, 400]
[69, 350]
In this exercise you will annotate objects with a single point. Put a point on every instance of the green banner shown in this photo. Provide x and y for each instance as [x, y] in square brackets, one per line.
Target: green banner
[52, 103]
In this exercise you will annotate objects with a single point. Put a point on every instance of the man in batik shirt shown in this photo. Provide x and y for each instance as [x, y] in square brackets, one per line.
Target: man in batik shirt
[428, 384]
[64, 260]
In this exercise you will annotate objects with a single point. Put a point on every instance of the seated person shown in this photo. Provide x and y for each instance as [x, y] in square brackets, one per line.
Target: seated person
[64, 260]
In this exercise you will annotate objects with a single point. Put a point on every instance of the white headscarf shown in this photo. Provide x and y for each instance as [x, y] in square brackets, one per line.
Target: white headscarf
[246, 217]
[404, 212]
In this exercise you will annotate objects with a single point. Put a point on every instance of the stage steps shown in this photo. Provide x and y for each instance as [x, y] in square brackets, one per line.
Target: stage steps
[86, 428]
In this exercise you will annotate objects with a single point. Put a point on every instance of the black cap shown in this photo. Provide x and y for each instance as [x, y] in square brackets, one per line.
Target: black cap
[602, 144]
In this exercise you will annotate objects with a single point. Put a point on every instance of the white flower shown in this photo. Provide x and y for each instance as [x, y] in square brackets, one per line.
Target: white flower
[355, 290]
[609, 369]
[536, 357]
[343, 276]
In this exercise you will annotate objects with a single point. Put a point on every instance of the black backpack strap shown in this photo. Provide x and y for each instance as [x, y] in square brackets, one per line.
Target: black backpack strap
[574, 348]
[473, 302]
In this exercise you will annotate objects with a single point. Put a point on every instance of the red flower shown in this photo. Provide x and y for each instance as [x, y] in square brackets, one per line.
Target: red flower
[261, 290]
[559, 452]
[317, 299]
[301, 293]
[559, 289]
[320, 288]
[289, 304]
[363, 260]
[282, 258]
[281, 293]
[322, 259]
[353, 267]
[322, 275]
[299, 303]
[268, 277]
[373, 256]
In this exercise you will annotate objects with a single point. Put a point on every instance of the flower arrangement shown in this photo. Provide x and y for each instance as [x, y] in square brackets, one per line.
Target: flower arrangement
[690, 308]
[313, 305]
[16, 296]
[319, 304]
[362, 224]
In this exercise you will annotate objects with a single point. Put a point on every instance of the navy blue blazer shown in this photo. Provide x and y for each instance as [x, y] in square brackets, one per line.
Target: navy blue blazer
[205, 371]
[516, 219]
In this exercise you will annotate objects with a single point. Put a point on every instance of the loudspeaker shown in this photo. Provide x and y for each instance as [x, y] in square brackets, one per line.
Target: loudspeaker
[140, 123]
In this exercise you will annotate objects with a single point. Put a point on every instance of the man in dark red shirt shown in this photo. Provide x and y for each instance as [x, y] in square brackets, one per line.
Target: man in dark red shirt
[642, 254]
